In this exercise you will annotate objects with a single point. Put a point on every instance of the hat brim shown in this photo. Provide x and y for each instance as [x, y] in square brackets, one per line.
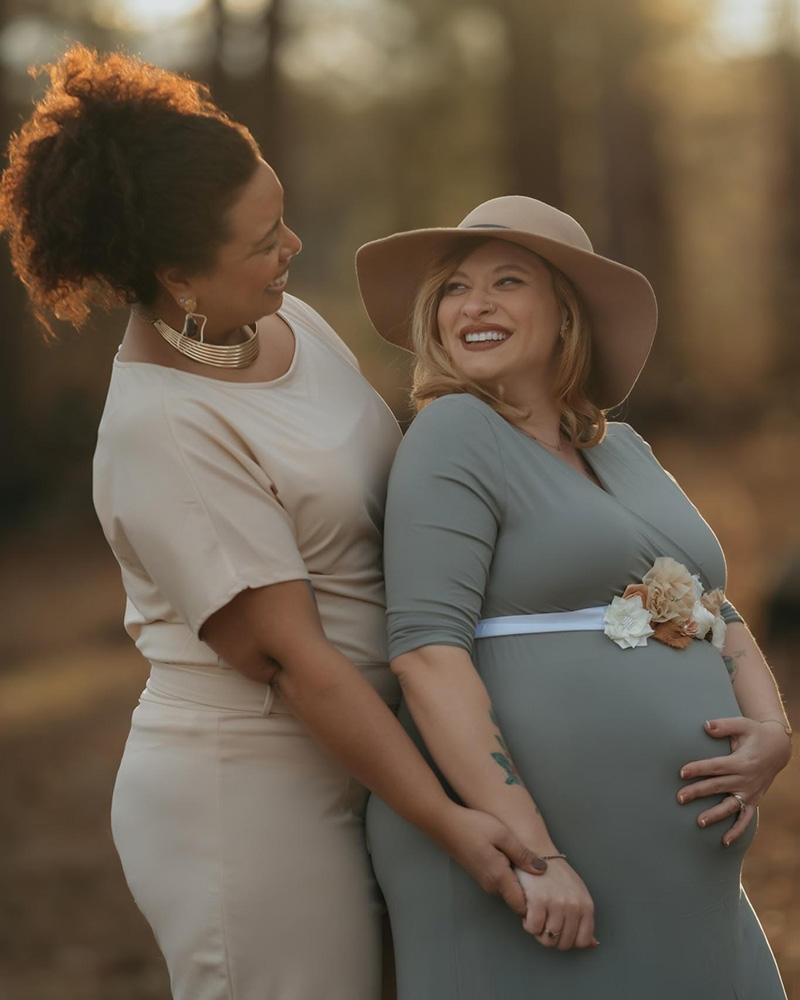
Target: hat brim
[620, 301]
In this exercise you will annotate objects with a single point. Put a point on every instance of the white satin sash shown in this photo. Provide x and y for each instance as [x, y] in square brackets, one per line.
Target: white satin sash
[582, 620]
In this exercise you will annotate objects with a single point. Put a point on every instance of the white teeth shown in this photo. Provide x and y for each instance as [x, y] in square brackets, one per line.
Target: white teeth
[279, 282]
[477, 338]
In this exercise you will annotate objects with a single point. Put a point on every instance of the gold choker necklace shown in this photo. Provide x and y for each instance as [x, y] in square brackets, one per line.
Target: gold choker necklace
[218, 355]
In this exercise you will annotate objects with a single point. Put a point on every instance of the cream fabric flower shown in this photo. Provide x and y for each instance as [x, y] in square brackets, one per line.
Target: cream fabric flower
[704, 619]
[718, 633]
[627, 622]
[713, 600]
[670, 590]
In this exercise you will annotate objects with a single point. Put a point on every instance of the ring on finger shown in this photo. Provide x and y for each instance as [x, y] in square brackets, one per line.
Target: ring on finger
[740, 800]
[552, 934]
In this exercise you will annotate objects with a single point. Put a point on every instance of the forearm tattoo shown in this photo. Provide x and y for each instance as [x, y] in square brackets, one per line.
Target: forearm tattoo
[503, 757]
[732, 662]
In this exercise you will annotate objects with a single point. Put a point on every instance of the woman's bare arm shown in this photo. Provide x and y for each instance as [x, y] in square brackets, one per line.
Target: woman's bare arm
[452, 710]
[753, 682]
[274, 634]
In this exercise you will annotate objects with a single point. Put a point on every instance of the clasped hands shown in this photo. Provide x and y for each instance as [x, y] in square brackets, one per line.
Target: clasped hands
[759, 750]
[560, 910]
[549, 896]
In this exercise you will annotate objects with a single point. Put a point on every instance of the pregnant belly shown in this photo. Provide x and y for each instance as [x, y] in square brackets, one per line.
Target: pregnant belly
[600, 734]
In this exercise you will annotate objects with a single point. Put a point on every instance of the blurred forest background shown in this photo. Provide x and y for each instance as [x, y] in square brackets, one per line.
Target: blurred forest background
[669, 128]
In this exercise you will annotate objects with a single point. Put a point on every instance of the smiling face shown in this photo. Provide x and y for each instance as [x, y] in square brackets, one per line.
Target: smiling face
[250, 270]
[499, 319]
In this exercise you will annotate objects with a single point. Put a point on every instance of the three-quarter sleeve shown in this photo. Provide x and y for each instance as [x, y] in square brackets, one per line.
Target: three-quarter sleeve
[445, 505]
[729, 613]
[189, 512]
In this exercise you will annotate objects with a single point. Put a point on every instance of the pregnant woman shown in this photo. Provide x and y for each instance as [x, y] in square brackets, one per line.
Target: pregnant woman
[240, 477]
[558, 624]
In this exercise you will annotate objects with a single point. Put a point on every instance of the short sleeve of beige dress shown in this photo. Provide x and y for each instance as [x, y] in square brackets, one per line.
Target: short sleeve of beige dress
[241, 840]
[484, 522]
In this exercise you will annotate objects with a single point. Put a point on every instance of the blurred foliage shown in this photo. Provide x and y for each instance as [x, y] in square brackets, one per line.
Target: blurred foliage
[669, 128]
[678, 154]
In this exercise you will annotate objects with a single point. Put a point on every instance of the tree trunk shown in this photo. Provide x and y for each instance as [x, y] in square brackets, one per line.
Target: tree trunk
[274, 120]
[534, 114]
[215, 74]
[634, 183]
[785, 66]
[17, 471]
[638, 230]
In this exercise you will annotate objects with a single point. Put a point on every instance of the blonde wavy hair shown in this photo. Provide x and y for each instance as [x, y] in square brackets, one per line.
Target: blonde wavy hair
[582, 422]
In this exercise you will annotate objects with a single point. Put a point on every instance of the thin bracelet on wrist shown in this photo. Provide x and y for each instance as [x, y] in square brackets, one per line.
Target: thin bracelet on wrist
[552, 857]
[778, 722]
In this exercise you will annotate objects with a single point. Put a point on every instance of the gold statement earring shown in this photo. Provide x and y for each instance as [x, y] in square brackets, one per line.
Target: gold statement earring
[191, 327]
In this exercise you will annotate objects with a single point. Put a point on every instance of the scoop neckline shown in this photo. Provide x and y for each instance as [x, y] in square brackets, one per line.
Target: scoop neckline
[227, 383]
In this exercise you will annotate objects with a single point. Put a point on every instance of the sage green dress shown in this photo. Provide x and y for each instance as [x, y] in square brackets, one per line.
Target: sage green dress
[483, 521]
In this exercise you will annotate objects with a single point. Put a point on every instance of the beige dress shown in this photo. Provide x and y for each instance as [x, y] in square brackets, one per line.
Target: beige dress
[241, 839]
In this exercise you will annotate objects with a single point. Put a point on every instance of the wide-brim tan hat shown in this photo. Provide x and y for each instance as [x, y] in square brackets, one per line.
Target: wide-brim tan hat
[620, 301]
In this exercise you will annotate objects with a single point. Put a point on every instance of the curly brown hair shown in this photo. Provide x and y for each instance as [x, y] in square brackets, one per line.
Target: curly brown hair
[123, 168]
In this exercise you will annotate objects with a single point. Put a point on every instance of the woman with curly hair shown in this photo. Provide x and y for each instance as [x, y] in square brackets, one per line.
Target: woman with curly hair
[240, 478]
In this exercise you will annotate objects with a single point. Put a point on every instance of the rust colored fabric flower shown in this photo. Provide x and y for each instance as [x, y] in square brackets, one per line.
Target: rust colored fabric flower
[636, 590]
[671, 633]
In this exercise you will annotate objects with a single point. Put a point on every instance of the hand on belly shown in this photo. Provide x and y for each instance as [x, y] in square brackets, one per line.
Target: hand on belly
[758, 752]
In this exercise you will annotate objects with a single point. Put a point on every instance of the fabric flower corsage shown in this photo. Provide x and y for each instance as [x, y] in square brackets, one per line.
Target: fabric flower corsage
[669, 605]
[627, 622]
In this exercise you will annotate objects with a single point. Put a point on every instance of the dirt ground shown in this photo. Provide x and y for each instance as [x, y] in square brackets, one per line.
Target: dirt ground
[68, 683]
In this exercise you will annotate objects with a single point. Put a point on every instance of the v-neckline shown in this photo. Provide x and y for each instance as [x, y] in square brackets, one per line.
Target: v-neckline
[603, 485]
[604, 489]
[632, 509]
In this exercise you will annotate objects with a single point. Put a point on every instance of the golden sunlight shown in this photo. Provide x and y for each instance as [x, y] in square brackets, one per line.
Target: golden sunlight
[742, 27]
[146, 15]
